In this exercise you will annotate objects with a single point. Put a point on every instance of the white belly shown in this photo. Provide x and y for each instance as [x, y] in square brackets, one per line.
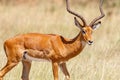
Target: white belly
[29, 58]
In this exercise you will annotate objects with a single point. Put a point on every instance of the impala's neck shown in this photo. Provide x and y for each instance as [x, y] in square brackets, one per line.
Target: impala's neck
[75, 46]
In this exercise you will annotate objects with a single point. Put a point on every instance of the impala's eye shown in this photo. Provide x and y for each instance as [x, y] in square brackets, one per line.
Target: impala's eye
[84, 32]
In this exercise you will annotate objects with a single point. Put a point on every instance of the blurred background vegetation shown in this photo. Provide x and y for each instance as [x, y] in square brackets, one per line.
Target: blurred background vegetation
[109, 3]
[101, 61]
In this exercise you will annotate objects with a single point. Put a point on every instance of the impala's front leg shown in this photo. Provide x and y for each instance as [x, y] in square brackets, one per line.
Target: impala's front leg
[26, 70]
[55, 70]
[64, 70]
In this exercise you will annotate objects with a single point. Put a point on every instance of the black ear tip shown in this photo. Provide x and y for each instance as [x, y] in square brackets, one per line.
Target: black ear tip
[75, 21]
[75, 18]
[99, 22]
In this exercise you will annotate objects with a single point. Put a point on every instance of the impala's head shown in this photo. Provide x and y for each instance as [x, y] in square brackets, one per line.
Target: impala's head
[86, 30]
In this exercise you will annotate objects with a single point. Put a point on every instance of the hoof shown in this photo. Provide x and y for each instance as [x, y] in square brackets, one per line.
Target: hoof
[67, 78]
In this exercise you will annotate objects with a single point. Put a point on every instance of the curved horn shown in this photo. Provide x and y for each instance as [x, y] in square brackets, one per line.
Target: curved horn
[99, 17]
[79, 16]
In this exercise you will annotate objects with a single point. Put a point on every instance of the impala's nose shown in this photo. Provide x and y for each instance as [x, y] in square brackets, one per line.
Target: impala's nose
[90, 42]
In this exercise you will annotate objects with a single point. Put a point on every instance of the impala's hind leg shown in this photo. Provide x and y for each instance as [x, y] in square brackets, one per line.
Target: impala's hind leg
[14, 56]
[26, 70]
[7, 68]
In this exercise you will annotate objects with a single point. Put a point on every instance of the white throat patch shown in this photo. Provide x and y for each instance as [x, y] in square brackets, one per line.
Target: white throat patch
[83, 43]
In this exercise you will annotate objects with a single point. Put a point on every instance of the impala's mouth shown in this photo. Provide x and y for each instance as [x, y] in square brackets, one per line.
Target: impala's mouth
[90, 42]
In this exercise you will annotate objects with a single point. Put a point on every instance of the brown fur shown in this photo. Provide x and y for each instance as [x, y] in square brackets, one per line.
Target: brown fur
[48, 46]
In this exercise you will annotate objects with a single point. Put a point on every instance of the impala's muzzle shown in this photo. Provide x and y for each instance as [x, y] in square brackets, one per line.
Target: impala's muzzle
[90, 42]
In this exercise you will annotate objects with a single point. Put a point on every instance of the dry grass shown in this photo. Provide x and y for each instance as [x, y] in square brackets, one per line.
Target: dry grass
[101, 61]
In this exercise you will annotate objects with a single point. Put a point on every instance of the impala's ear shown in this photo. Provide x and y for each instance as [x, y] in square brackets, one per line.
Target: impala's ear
[77, 23]
[96, 25]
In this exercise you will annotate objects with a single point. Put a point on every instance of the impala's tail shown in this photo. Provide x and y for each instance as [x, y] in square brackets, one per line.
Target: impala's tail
[4, 46]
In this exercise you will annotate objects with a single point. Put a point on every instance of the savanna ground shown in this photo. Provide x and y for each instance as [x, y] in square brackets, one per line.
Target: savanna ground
[101, 61]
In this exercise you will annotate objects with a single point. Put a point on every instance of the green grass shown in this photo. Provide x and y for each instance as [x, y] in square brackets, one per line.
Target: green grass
[101, 61]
